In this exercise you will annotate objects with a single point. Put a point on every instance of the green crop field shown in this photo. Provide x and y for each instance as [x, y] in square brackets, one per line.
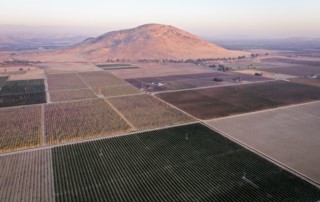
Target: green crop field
[186, 163]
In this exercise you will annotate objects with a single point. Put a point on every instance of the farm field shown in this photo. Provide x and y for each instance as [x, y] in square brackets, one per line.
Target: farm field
[68, 67]
[70, 121]
[289, 135]
[176, 164]
[223, 101]
[176, 82]
[20, 128]
[307, 81]
[3, 80]
[24, 92]
[27, 177]
[68, 95]
[119, 90]
[99, 79]
[64, 82]
[295, 70]
[116, 66]
[156, 70]
[23, 86]
[145, 111]
[22, 99]
[308, 62]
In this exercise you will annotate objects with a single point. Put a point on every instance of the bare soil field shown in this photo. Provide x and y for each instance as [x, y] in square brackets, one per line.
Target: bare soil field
[145, 111]
[69, 67]
[222, 101]
[27, 177]
[20, 128]
[68, 95]
[289, 135]
[156, 70]
[64, 82]
[22, 72]
[99, 79]
[69, 121]
[307, 81]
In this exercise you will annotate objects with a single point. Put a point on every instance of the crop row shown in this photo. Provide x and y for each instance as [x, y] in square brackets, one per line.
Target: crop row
[66, 95]
[100, 79]
[218, 102]
[64, 82]
[27, 177]
[23, 86]
[82, 119]
[145, 111]
[187, 163]
[20, 127]
[119, 90]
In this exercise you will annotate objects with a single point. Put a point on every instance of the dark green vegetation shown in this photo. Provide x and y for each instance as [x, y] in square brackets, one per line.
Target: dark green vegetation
[116, 66]
[23, 86]
[23, 92]
[218, 102]
[3, 80]
[187, 163]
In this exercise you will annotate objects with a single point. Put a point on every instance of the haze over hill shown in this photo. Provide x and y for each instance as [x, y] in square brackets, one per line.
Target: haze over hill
[150, 41]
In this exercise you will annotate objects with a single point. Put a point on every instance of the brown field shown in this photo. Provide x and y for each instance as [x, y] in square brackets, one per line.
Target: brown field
[85, 119]
[119, 91]
[27, 177]
[156, 70]
[223, 101]
[307, 81]
[101, 79]
[20, 128]
[29, 72]
[69, 67]
[67, 95]
[64, 82]
[289, 135]
[145, 111]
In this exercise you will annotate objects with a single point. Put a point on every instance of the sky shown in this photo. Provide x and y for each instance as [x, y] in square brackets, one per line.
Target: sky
[252, 18]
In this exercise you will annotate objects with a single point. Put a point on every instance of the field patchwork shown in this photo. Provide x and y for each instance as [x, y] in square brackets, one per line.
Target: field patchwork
[223, 101]
[145, 112]
[70, 121]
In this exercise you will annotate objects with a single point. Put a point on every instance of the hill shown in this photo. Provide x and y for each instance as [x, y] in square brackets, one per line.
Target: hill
[150, 41]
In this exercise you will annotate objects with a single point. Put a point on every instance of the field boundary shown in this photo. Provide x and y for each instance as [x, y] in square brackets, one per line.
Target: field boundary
[121, 115]
[263, 155]
[92, 139]
[262, 111]
[215, 86]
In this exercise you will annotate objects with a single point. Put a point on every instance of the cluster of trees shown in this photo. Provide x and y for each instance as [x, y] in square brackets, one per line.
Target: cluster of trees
[19, 63]
[220, 67]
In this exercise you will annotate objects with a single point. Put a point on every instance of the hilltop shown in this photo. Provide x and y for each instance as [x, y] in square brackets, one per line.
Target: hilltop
[150, 41]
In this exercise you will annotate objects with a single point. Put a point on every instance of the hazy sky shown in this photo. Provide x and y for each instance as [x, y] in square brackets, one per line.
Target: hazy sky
[262, 18]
